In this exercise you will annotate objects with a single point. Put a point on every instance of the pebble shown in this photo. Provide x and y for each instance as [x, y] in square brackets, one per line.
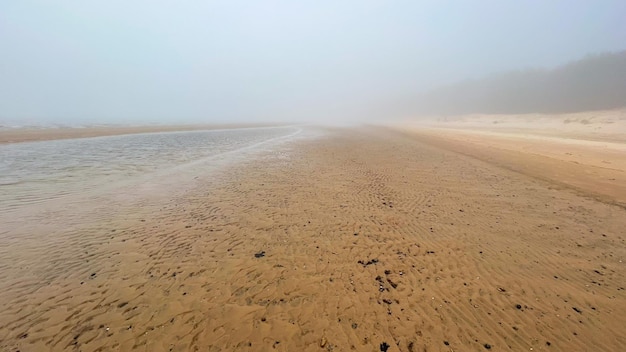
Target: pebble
[323, 342]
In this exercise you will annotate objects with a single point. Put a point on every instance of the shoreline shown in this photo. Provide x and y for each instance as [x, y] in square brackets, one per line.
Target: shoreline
[22, 135]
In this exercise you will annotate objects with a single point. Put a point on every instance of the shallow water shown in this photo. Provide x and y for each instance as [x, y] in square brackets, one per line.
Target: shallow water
[42, 171]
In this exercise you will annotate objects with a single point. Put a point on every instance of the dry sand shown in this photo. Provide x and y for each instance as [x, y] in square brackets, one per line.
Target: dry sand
[605, 125]
[582, 151]
[364, 238]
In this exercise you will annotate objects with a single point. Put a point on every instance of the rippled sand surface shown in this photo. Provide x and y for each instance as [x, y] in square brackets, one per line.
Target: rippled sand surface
[40, 172]
[358, 239]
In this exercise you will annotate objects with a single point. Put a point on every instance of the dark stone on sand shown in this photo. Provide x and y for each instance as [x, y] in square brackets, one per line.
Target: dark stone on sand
[384, 347]
[548, 343]
[387, 272]
[518, 306]
[446, 343]
[369, 262]
[121, 305]
[577, 310]
[260, 254]
[355, 325]
[387, 301]
[393, 284]
[487, 346]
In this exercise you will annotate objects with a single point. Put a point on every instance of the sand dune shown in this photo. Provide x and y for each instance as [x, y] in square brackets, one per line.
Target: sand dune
[362, 240]
[605, 125]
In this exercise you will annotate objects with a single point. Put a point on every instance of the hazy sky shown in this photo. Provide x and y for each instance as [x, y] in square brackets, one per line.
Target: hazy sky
[224, 61]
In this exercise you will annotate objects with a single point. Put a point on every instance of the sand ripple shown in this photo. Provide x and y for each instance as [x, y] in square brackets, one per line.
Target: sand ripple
[369, 238]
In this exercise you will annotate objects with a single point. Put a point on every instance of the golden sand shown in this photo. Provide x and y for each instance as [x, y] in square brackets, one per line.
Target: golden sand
[363, 239]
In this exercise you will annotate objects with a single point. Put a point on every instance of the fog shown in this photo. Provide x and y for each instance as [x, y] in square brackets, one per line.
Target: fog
[87, 62]
[595, 82]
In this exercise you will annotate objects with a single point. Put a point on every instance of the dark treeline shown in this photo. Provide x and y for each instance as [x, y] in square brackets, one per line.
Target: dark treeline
[594, 83]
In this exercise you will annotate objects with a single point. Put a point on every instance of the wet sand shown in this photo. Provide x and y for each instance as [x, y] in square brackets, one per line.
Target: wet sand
[18, 135]
[365, 239]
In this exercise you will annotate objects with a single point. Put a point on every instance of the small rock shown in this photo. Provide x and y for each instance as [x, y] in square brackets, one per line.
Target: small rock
[260, 254]
[487, 346]
[518, 306]
[323, 342]
[384, 347]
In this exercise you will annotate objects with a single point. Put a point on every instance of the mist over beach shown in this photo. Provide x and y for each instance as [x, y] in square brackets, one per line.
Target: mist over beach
[312, 176]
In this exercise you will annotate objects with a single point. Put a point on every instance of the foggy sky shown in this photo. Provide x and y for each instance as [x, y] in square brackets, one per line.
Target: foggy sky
[235, 61]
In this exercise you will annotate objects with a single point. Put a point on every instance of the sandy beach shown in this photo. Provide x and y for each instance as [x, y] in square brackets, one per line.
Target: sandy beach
[30, 134]
[402, 238]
